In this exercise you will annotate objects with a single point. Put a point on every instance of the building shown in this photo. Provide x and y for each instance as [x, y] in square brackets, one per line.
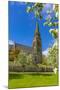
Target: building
[37, 47]
[35, 50]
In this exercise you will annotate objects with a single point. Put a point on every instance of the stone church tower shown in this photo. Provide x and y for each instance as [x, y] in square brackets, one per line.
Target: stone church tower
[37, 47]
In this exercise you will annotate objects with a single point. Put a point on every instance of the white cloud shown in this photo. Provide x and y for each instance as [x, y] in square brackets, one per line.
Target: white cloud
[45, 52]
[11, 42]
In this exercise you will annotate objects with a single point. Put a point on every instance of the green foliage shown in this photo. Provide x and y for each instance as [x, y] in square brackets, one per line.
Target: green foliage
[50, 24]
[29, 59]
[22, 58]
[13, 54]
[54, 33]
[36, 8]
[53, 55]
[29, 9]
[44, 60]
[49, 20]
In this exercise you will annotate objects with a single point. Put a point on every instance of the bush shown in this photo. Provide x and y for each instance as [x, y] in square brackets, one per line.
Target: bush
[30, 68]
[53, 54]
[44, 60]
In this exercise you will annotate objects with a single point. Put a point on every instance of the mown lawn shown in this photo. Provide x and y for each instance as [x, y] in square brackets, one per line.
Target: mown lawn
[25, 80]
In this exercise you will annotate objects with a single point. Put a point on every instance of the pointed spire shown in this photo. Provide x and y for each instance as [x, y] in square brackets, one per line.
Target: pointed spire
[37, 28]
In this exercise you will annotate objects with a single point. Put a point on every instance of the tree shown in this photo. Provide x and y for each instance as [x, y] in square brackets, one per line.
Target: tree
[53, 55]
[13, 53]
[44, 60]
[53, 21]
[29, 59]
[36, 8]
[22, 59]
[53, 51]
[54, 33]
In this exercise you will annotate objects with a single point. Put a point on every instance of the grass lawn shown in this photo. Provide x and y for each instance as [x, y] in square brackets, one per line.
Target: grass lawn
[25, 80]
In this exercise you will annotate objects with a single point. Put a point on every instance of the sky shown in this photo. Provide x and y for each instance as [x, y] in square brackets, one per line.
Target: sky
[23, 25]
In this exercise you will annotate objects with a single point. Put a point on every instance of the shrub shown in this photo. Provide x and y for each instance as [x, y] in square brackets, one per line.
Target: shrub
[44, 60]
[53, 55]
[30, 68]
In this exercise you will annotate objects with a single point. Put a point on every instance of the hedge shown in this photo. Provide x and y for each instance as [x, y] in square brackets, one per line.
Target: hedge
[29, 68]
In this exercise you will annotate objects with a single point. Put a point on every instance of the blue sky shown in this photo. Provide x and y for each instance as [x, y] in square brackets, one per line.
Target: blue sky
[22, 25]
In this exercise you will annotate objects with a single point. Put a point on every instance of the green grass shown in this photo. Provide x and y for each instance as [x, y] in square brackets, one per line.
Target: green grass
[25, 80]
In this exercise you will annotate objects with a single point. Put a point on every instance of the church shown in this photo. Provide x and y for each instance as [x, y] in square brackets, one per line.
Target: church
[35, 50]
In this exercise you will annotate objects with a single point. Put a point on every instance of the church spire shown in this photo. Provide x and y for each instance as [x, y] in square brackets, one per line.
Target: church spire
[37, 48]
[37, 28]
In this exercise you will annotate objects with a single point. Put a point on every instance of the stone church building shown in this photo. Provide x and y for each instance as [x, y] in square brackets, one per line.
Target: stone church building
[35, 50]
[37, 47]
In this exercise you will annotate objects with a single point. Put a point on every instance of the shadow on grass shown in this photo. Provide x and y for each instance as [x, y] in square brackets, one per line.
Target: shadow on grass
[16, 76]
[22, 75]
[41, 74]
